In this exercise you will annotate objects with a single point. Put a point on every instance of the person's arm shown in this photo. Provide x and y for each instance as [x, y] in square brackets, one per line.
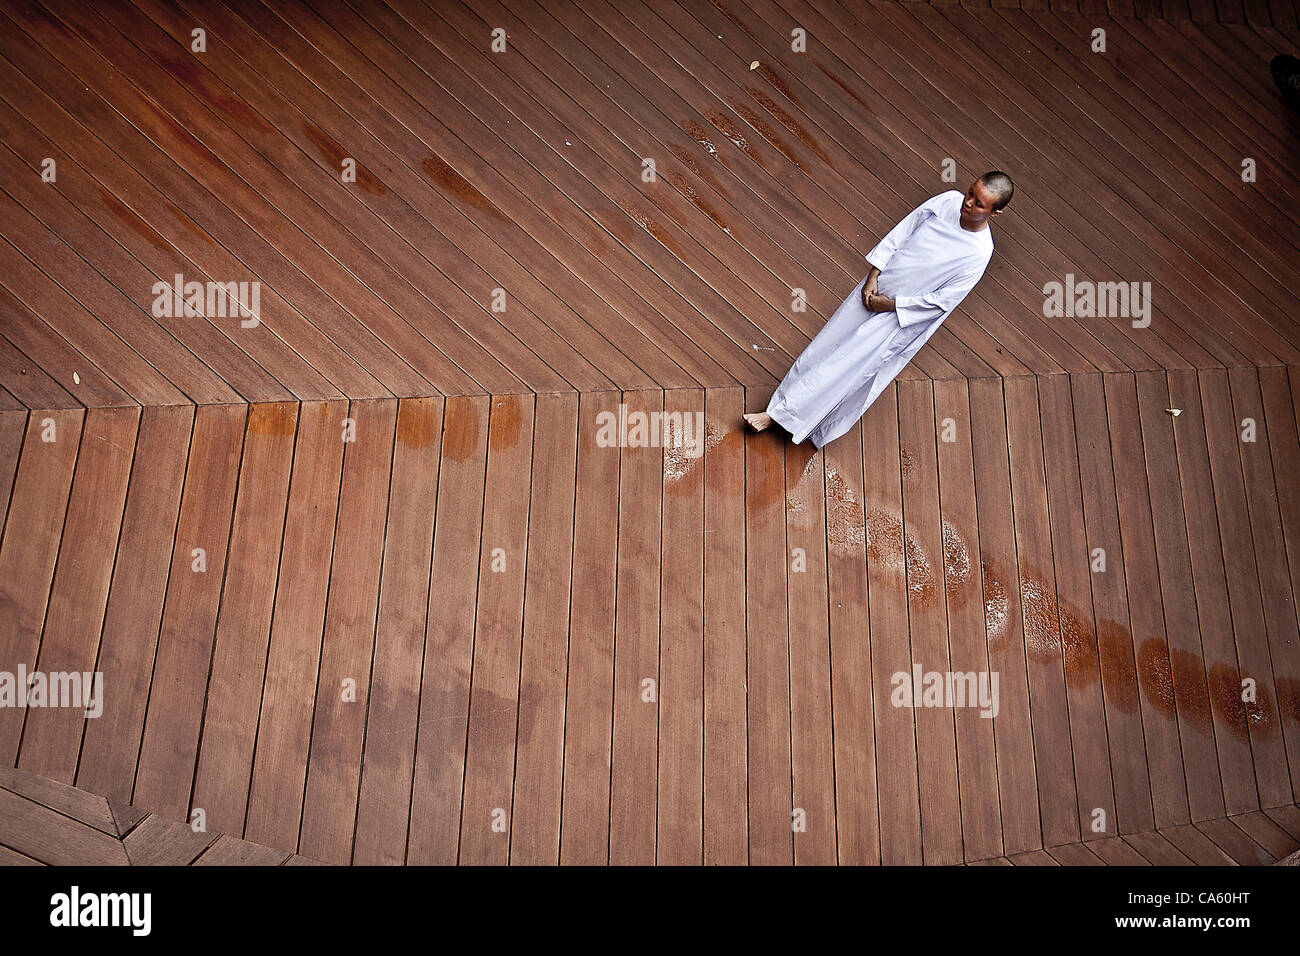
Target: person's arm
[912, 309]
[869, 287]
[879, 257]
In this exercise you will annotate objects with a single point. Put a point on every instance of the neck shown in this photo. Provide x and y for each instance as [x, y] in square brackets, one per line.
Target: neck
[982, 226]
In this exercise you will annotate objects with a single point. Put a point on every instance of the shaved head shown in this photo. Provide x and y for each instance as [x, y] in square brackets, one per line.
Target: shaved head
[998, 183]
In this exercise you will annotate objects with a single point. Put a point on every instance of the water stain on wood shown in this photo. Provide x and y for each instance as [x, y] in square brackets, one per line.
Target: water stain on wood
[956, 565]
[1118, 668]
[1191, 690]
[765, 130]
[652, 227]
[335, 154]
[128, 217]
[808, 488]
[778, 84]
[273, 418]
[458, 187]
[853, 94]
[997, 606]
[846, 525]
[194, 77]
[689, 191]
[505, 423]
[189, 224]
[1042, 620]
[460, 429]
[789, 122]
[703, 172]
[1155, 675]
[729, 129]
[417, 423]
[768, 489]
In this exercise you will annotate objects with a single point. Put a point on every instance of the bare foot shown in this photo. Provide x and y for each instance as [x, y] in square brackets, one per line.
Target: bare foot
[759, 421]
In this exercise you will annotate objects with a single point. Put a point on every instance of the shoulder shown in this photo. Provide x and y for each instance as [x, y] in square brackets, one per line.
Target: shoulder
[945, 200]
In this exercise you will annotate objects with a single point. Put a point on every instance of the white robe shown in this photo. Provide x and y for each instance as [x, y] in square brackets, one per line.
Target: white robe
[927, 264]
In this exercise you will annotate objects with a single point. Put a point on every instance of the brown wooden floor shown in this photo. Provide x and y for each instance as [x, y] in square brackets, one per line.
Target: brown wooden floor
[363, 584]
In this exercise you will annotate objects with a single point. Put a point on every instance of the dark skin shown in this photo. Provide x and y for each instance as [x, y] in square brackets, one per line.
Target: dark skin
[976, 211]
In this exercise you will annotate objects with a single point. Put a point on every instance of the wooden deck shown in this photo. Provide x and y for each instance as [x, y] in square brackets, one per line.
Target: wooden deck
[47, 823]
[365, 583]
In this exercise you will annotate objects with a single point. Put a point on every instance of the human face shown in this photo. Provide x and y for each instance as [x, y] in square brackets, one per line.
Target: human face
[977, 207]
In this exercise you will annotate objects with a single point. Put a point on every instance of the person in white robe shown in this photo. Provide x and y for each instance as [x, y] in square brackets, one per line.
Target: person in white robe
[920, 272]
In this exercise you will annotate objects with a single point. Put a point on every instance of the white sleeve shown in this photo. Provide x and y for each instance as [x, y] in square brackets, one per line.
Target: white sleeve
[925, 308]
[885, 248]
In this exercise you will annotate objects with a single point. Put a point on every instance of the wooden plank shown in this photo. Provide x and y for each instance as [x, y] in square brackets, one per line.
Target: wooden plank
[896, 748]
[1161, 719]
[111, 747]
[812, 748]
[13, 422]
[1197, 846]
[225, 754]
[125, 818]
[390, 685]
[1056, 772]
[1074, 854]
[584, 826]
[1090, 734]
[968, 635]
[38, 832]
[543, 669]
[486, 806]
[174, 716]
[1275, 840]
[37, 509]
[1136, 769]
[160, 842]
[857, 816]
[1235, 842]
[1279, 388]
[1230, 441]
[1175, 678]
[284, 730]
[1156, 848]
[1033, 858]
[69, 642]
[1288, 818]
[679, 835]
[1204, 540]
[924, 554]
[726, 823]
[87, 808]
[446, 643]
[1277, 705]
[1003, 628]
[229, 851]
[768, 650]
[29, 383]
[1115, 852]
[10, 857]
[634, 756]
[329, 802]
